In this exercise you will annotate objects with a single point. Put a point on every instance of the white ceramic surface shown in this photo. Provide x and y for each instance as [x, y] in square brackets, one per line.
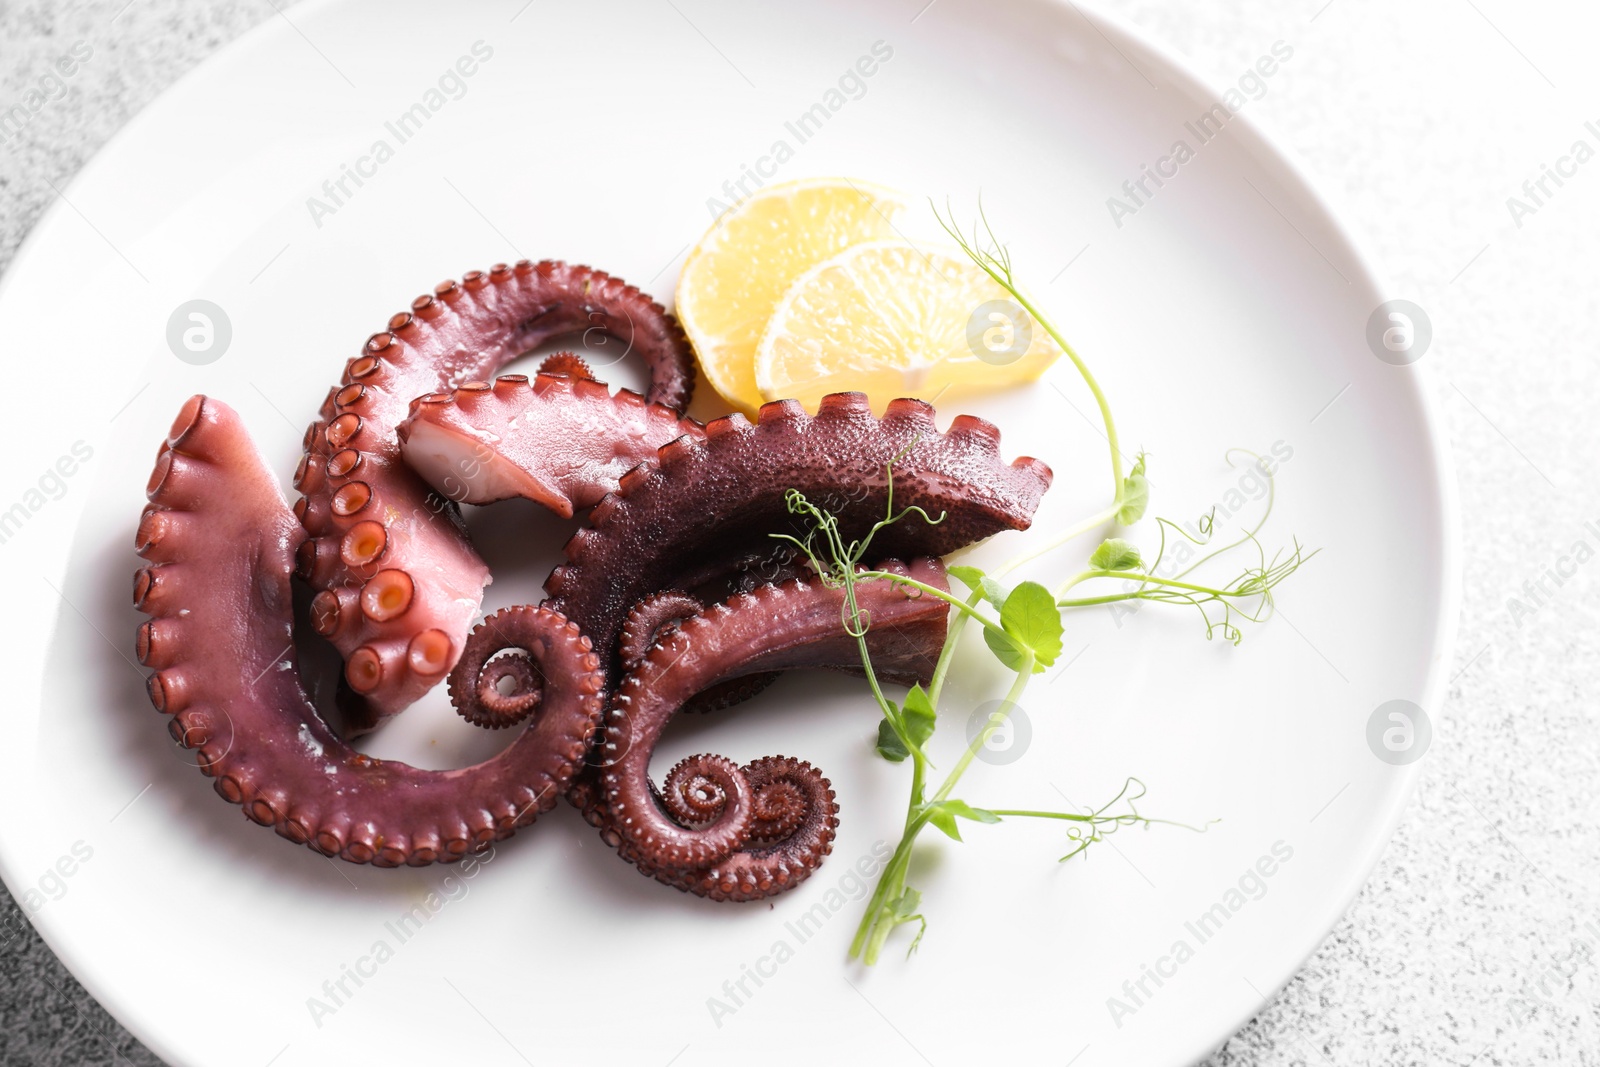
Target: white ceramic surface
[1233, 316]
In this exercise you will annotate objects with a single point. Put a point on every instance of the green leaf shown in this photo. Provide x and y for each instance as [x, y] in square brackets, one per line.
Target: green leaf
[917, 719]
[971, 577]
[945, 820]
[918, 716]
[979, 582]
[890, 747]
[1115, 554]
[962, 809]
[1135, 494]
[905, 911]
[1003, 649]
[945, 813]
[1030, 616]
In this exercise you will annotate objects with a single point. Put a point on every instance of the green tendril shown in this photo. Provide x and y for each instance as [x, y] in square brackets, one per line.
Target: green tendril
[1022, 626]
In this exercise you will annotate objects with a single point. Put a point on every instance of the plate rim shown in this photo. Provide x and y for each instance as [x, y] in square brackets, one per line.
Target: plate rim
[1261, 141]
[1420, 378]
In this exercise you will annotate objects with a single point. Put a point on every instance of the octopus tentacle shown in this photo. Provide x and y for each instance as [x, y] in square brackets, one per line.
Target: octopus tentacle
[659, 614]
[692, 518]
[786, 794]
[645, 624]
[708, 799]
[767, 868]
[785, 848]
[220, 541]
[562, 442]
[493, 690]
[368, 512]
[676, 521]
[736, 833]
[727, 694]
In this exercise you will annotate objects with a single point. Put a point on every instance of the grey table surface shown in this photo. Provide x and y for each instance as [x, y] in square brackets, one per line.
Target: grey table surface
[1475, 940]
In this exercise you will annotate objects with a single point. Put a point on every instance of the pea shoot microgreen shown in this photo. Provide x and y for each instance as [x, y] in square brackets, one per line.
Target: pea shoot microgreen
[1022, 627]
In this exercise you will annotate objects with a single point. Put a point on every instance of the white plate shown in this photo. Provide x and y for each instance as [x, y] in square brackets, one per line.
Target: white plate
[1230, 309]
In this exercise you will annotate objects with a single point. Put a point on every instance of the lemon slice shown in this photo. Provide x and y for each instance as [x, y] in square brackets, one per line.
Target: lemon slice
[736, 275]
[890, 320]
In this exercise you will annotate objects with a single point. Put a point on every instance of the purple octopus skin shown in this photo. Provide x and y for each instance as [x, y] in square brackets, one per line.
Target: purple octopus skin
[389, 557]
[480, 441]
[676, 522]
[652, 619]
[717, 829]
[561, 441]
[691, 519]
[220, 542]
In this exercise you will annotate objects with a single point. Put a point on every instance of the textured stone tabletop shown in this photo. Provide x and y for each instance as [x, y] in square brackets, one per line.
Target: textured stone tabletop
[1433, 123]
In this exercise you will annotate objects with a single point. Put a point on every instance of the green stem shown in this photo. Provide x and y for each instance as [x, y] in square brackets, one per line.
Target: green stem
[879, 912]
[1248, 535]
[1024, 814]
[1149, 579]
[879, 920]
[947, 654]
[883, 916]
[998, 268]
[1074, 531]
[1088, 379]
[1014, 694]
[1092, 601]
[966, 607]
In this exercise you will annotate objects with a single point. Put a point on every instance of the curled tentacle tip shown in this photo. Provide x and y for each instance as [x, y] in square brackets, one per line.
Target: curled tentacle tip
[696, 790]
[497, 681]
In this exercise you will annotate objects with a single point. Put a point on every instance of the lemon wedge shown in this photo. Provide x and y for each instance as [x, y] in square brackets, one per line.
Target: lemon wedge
[736, 275]
[889, 319]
